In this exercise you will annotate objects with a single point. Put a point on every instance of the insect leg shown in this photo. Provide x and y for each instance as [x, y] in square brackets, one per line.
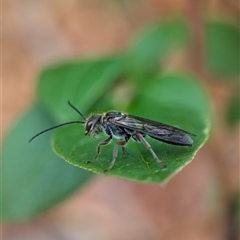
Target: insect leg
[98, 150]
[124, 150]
[148, 146]
[115, 153]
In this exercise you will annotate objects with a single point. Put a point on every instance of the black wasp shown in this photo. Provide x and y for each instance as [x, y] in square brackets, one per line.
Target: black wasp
[123, 126]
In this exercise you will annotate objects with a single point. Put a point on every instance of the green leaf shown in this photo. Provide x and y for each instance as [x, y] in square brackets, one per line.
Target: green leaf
[222, 49]
[81, 82]
[158, 40]
[175, 100]
[33, 177]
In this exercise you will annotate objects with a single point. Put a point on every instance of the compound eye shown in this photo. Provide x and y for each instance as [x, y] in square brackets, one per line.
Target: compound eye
[88, 127]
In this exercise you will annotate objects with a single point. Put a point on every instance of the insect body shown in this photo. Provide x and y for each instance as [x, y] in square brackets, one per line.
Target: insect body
[123, 127]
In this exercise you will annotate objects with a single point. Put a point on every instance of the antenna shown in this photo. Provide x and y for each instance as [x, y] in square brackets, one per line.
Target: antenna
[69, 103]
[63, 124]
[51, 128]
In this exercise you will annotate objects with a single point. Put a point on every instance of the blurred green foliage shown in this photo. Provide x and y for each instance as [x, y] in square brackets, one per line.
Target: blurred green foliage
[33, 177]
[232, 111]
[222, 49]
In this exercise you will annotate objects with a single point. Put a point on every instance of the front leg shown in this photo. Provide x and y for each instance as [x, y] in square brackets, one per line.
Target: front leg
[98, 150]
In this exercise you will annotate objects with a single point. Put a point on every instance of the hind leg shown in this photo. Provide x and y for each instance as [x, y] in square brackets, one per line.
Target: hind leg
[140, 138]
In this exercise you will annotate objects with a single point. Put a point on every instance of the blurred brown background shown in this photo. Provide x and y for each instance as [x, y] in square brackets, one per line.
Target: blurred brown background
[193, 204]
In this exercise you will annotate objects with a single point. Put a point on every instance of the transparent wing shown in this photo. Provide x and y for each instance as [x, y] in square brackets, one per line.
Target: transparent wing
[156, 130]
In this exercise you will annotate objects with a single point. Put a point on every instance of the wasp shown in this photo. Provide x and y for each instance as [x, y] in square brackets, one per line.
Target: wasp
[122, 127]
